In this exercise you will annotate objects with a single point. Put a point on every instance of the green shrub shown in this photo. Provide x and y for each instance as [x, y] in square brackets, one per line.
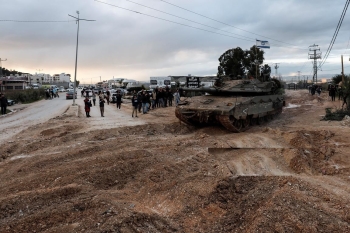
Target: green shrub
[336, 115]
[25, 96]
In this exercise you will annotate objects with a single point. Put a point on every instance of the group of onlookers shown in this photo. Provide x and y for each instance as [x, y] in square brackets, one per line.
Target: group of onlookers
[51, 93]
[103, 98]
[332, 91]
[158, 98]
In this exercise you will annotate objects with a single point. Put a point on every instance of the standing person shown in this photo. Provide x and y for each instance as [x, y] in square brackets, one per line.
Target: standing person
[135, 104]
[47, 93]
[177, 97]
[139, 99]
[108, 96]
[319, 90]
[170, 98]
[161, 95]
[87, 103]
[102, 107]
[94, 98]
[144, 102]
[119, 99]
[100, 95]
[154, 99]
[3, 103]
[332, 92]
[57, 93]
[340, 93]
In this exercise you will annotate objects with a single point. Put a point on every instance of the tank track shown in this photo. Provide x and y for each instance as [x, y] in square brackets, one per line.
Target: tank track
[232, 126]
[181, 117]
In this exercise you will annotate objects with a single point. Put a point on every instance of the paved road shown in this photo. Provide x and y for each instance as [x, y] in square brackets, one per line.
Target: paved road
[31, 114]
[41, 111]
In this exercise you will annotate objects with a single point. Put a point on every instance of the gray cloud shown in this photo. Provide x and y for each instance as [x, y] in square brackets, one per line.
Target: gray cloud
[124, 44]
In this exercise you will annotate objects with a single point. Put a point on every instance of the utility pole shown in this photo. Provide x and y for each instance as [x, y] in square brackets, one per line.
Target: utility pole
[342, 70]
[276, 68]
[314, 55]
[1, 66]
[76, 53]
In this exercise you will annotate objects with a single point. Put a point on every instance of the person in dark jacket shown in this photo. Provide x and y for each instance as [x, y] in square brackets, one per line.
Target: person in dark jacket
[87, 106]
[139, 99]
[102, 107]
[119, 99]
[3, 103]
[135, 104]
[332, 92]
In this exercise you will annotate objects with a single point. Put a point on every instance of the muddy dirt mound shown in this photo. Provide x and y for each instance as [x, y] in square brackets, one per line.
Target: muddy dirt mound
[273, 204]
[313, 153]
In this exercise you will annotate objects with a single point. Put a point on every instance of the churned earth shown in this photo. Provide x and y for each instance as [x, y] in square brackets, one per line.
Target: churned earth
[155, 174]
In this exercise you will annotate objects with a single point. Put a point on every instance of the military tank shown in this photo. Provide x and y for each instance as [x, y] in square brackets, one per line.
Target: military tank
[236, 104]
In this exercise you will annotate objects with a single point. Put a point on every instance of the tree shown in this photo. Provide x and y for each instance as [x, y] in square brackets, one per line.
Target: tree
[77, 83]
[232, 63]
[237, 62]
[338, 78]
[265, 72]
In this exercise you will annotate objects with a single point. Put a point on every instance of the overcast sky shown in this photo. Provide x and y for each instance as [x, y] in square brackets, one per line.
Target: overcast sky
[128, 45]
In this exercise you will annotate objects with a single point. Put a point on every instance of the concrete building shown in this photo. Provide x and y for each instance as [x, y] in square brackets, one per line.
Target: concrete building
[13, 83]
[60, 78]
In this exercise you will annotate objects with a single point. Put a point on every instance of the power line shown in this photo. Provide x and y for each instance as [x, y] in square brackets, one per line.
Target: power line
[222, 22]
[206, 24]
[188, 20]
[137, 12]
[36, 21]
[172, 21]
[335, 34]
[334, 69]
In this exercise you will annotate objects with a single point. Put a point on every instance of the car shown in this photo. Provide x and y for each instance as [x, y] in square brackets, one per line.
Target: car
[10, 102]
[114, 98]
[69, 95]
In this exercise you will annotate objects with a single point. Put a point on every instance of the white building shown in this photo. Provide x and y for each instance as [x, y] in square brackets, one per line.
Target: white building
[60, 78]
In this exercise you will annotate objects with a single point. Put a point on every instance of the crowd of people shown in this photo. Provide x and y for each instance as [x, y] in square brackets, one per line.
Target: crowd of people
[51, 93]
[333, 90]
[103, 98]
[142, 101]
[159, 98]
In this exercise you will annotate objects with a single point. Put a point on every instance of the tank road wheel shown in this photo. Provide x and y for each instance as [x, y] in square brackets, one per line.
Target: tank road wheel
[259, 120]
[254, 121]
[228, 123]
[266, 118]
[246, 122]
[238, 124]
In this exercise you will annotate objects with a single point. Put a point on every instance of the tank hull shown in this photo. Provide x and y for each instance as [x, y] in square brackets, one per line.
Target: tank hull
[236, 114]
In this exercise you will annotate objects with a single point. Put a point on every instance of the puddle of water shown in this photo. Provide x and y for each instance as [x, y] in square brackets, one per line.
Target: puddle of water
[293, 106]
[20, 157]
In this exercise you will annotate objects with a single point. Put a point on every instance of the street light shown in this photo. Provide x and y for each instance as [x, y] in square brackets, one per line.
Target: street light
[76, 54]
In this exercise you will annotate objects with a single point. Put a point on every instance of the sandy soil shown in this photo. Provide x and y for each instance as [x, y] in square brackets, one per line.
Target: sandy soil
[154, 174]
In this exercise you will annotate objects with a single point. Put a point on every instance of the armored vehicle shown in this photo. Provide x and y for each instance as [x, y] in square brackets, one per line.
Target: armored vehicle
[235, 104]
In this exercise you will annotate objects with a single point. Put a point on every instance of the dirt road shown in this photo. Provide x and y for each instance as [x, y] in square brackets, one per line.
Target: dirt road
[154, 174]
